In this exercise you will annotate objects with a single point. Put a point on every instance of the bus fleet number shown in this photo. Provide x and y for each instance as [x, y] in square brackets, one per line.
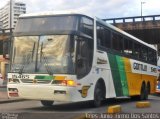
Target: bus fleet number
[20, 76]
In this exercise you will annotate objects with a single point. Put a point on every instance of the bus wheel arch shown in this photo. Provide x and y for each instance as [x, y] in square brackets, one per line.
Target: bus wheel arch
[47, 103]
[99, 92]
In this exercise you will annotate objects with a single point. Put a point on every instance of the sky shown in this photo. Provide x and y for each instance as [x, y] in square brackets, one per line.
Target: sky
[100, 8]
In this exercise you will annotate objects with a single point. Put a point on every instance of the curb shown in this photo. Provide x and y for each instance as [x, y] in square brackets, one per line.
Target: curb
[145, 104]
[114, 109]
[11, 100]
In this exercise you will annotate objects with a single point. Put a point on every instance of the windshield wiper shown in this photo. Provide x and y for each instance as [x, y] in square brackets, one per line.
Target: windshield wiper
[45, 59]
[27, 58]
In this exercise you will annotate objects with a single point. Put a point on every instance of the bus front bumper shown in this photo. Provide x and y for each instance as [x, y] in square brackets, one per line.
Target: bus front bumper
[43, 92]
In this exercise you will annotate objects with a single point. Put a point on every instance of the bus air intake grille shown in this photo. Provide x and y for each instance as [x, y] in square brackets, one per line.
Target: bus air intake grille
[36, 81]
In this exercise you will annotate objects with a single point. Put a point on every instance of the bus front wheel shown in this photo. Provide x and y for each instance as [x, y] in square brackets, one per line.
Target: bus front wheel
[47, 103]
[98, 95]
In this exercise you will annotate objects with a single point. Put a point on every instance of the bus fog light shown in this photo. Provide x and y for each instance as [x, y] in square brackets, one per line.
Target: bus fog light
[14, 81]
[59, 92]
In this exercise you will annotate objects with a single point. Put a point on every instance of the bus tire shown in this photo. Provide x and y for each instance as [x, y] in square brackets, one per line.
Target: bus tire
[98, 95]
[143, 94]
[146, 93]
[47, 103]
[149, 88]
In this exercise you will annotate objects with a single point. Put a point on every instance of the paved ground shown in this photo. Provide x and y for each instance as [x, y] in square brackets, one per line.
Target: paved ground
[3, 93]
[4, 97]
[33, 109]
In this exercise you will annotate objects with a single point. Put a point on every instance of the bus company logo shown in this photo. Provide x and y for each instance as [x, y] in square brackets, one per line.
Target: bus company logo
[101, 61]
[34, 81]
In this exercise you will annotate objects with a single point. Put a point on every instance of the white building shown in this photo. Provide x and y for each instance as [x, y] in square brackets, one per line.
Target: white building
[1, 25]
[16, 9]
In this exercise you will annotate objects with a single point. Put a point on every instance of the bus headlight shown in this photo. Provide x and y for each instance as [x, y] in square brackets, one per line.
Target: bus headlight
[64, 82]
[14, 81]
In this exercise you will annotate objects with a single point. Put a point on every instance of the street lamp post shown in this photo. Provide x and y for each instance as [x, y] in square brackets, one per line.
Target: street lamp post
[141, 7]
[10, 14]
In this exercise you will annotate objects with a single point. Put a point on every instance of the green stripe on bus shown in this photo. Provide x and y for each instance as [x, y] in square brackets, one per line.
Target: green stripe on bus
[115, 74]
[122, 72]
[44, 77]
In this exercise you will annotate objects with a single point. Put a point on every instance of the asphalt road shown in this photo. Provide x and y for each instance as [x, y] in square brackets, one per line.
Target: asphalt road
[72, 110]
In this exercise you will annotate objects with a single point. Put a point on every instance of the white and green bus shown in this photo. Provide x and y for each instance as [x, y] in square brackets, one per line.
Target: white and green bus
[73, 57]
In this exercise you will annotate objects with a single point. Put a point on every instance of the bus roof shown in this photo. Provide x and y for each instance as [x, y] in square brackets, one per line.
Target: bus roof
[52, 13]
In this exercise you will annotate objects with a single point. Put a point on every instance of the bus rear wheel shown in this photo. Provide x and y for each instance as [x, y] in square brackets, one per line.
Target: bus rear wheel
[47, 103]
[143, 94]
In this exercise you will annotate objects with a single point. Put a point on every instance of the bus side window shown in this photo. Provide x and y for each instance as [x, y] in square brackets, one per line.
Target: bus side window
[100, 35]
[126, 47]
[144, 53]
[87, 26]
[84, 57]
[150, 56]
[137, 49]
[117, 42]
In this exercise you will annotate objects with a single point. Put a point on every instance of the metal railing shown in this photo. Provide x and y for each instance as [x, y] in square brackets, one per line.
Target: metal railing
[133, 19]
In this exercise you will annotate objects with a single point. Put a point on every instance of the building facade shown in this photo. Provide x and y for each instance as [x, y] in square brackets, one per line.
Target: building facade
[16, 9]
[8, 18]
[1, 25]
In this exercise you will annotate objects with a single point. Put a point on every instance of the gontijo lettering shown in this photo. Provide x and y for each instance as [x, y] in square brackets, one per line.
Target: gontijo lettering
[138, 66]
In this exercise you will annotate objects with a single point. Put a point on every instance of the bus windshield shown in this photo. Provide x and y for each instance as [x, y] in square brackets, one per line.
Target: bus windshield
[43, 54]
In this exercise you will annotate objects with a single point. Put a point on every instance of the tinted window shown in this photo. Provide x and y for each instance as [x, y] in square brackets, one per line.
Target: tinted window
[144, 53]
[130, 47]
[117, 42]
[150, 55]
[126, 46]
[86, 26]
[100, 36]
[137, 50]
[103, 37]
[84, 56]
[48, 24]
[107, 38]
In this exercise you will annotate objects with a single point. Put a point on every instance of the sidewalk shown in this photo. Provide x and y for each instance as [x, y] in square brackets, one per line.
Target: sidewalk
[4, 97]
